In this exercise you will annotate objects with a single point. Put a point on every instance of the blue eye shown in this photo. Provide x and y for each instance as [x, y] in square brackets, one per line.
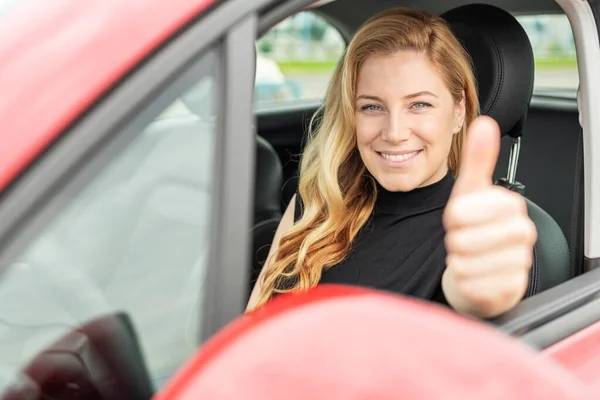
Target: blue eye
[420, 105]
[370, 107]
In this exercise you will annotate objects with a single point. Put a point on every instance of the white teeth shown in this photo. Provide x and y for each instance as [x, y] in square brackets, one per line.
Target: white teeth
[399, 157]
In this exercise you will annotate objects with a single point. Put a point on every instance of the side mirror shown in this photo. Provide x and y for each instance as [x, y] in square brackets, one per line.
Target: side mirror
[100, 360]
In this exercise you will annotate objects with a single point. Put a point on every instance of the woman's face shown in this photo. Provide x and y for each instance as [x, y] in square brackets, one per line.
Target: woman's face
[405, 120]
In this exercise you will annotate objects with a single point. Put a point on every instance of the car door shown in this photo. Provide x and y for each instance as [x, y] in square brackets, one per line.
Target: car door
[125, 244]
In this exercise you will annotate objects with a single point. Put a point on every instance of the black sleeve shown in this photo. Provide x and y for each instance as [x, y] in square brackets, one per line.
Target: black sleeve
[439, 297]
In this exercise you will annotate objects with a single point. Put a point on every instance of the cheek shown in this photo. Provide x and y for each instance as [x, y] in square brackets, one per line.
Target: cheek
[436, 132]
[367, 129]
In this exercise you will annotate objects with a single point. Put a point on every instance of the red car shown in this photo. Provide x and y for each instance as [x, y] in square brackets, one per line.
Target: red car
[139, 185]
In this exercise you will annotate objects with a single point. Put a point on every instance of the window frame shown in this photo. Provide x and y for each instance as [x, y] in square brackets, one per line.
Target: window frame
[85, 148]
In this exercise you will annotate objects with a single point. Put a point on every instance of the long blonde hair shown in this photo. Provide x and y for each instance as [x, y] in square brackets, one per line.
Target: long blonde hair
[337, 191]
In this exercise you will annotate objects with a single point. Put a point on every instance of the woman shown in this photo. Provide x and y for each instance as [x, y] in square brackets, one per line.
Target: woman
[378, 204]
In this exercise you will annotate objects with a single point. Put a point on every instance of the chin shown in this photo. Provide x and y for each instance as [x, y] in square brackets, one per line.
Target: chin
[397, 183]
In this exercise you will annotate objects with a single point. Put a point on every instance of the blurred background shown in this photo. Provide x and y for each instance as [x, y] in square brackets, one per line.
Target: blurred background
[297, 57]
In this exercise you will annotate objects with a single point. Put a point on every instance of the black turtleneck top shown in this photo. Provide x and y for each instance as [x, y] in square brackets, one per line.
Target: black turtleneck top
[401, 247]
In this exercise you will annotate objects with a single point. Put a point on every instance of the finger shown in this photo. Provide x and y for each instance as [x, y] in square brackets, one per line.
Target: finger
[489, 237]
[479, 156]
[497, 262]
[489, 290]
[484, 207]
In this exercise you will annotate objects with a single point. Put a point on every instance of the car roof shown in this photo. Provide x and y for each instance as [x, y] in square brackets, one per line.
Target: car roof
[58, 58]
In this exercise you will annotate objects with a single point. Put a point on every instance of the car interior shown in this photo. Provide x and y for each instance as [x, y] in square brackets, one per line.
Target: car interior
[541, 156]
[539, 130]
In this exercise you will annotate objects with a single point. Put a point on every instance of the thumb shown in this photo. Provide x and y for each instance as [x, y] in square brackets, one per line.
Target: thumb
[479, 156]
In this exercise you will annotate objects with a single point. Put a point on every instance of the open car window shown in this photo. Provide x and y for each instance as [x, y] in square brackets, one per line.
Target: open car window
[128, 253]
[553, 46]
[296, 60]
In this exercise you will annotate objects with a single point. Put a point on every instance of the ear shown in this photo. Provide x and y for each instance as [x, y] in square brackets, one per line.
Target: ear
[459, 114]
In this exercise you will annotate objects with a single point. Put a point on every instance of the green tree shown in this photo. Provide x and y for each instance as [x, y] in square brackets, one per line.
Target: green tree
[265, 46]
[318, 29]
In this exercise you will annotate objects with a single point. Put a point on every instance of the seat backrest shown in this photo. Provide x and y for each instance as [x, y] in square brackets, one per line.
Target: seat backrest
[553, 137]
[268, 182]
[267, 185]
[504, 68]
[267, 205]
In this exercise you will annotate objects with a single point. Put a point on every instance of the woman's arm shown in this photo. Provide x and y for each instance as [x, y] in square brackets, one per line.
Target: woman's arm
[286, 223]
[489, 235]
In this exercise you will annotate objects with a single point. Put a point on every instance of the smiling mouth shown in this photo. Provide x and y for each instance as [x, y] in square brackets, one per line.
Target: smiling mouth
[399, 157]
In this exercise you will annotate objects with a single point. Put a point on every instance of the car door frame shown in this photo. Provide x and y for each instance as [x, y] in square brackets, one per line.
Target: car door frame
[97, 136]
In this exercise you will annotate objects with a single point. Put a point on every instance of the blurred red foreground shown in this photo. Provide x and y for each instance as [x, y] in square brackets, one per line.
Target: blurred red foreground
[348, 343]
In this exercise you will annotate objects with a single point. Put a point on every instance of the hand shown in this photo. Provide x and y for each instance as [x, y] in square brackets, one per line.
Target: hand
[489, 236]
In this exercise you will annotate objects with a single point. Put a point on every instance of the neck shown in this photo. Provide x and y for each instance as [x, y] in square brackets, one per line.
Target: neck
[428, 196]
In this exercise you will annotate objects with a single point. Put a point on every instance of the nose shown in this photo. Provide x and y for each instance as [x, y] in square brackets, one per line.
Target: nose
[396, 129]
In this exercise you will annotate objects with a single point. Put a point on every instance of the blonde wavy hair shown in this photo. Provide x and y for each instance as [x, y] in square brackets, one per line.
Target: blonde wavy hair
[337, 191]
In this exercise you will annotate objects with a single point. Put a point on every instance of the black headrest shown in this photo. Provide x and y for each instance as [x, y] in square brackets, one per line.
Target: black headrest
[503, 61]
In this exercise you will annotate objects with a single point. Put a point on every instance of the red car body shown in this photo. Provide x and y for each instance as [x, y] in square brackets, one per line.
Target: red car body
[58, 58]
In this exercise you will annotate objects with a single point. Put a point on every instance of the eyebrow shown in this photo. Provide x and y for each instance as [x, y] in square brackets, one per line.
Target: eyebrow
[408, 96]
[418, 94]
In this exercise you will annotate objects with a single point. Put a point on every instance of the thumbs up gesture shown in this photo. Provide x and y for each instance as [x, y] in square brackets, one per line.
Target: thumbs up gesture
[489, 236]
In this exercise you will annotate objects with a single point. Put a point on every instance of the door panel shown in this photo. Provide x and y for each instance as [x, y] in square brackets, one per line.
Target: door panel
[579, 354]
